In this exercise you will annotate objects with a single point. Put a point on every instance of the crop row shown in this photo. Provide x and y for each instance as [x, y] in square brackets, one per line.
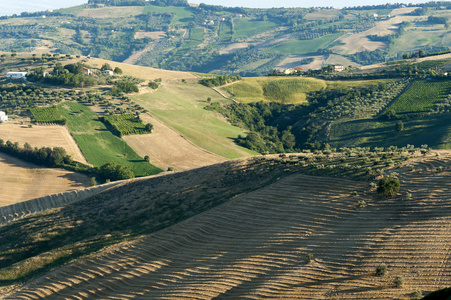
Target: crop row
[47, 115]
[366, 105]
[422, 96]
[126, 124]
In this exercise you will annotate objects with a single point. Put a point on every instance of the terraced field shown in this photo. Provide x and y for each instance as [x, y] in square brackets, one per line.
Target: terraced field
[255, 246]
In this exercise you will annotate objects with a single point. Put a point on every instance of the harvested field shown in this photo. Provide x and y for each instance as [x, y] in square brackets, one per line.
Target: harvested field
[146, 73]
[358, 42]
[167, 148]
[22, 181]
[42, 136]
[255, 246]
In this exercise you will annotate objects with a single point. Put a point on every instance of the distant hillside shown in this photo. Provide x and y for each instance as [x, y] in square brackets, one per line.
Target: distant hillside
[172, 35]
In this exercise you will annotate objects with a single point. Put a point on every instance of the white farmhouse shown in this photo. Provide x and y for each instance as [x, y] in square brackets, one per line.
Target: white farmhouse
[16, 74]
[3, 116]
[108, 72]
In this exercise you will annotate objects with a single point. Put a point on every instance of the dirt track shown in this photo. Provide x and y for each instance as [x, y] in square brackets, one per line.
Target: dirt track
[255, 246]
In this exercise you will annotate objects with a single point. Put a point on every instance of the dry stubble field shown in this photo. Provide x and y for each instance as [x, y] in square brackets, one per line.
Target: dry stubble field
[41, 136]
[22, 181]
[255, 246]
[167, 148]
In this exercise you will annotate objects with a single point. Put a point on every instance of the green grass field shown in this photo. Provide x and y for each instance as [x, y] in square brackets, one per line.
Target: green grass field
[196, 34]
[281, 89]
[98, 144]
[246, 27]
[435, 131]
[180, 105]
[225, 32]
[422, 96]
[305, 46]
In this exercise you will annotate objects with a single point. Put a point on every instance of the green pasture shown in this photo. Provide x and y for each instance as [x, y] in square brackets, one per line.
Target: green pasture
[225, 32]
[196, 34]
[280, 89]
[433, 130]
[99, 145]
[305, 46]
[245, 27]
[180, 106]
[421, 96]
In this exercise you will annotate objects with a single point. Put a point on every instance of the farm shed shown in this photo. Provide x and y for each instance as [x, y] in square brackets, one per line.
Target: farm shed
[3, 116]
[16, 74]
[109, 72]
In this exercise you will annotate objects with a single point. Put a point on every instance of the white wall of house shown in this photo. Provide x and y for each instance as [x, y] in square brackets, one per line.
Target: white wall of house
[3, 116]
[16, 74]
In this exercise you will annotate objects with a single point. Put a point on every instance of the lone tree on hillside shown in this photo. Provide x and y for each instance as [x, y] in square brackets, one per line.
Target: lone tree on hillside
[388, 186]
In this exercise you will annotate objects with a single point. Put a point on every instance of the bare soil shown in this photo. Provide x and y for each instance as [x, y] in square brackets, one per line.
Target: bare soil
[22, 181]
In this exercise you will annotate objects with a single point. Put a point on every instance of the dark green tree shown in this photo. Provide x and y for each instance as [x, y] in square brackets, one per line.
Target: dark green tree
[388, 186]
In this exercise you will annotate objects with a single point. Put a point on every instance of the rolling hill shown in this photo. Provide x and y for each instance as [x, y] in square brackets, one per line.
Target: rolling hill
[173, 35]
[251, 245]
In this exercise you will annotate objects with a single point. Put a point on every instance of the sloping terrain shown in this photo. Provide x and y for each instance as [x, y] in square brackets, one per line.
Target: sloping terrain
[167, 148]
[255, 246]
[22, 181]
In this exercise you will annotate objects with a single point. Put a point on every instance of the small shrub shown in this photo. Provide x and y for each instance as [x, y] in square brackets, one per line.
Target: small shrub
[170, 169]
[354, 193]
[147, 158]
[417, 295]
[362, 203]
[93, 181]
[398, 281]
[388, 186]
[381, 269]
[309, 257]
[373, 184]
[408, 195]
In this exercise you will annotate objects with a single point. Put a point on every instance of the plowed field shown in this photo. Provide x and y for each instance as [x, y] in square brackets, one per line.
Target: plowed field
[255, 246]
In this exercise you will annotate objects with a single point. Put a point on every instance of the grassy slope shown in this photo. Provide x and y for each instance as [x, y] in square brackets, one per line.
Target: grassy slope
[422, 96]
[287, 89]
[99, 145]
[180, 105]
[245, 27]
[254, 89]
